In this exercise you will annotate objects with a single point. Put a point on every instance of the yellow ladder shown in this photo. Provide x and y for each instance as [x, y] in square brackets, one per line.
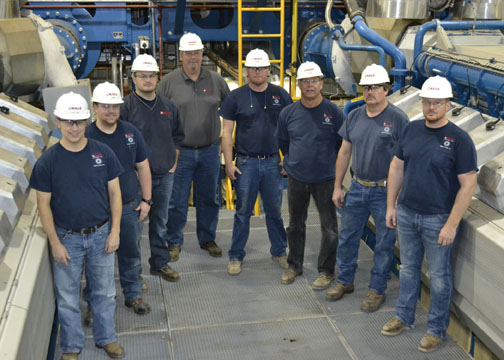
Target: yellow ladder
[241, 62]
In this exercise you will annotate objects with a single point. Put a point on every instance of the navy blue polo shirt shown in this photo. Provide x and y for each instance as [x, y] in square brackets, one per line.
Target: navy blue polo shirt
[309, 139]
[78, 183]
[129, 147]
[256, 115]
[432, 160]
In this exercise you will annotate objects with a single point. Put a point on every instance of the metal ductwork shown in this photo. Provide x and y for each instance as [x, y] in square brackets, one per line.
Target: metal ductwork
[481, 9]
[398, 9]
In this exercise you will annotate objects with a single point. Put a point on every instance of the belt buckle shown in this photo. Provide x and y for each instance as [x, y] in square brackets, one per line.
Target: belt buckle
[261, 157]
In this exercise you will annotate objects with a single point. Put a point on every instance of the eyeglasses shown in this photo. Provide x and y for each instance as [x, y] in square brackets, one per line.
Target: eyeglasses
[192, 53]
[258, 69]
[110, 106]
[369, 88]
[309, 81]
[145, 77]
[435, 104]
[70, 123]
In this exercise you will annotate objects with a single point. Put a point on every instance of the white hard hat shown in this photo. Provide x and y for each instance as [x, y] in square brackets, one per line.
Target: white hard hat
[257, 58]
[374, 74]
[308, 69]
[72, 106]
[144, 62]
[107, 93]
[436, 87]
[190, 42]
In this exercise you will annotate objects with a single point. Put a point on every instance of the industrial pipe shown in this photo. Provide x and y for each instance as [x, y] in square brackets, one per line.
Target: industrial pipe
[337, 34]
[452, 25]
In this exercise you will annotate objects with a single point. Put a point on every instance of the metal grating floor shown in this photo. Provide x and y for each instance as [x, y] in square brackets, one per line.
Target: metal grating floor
[211, 315]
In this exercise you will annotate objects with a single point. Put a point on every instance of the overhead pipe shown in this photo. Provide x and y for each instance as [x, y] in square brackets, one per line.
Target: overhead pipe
[337, 34]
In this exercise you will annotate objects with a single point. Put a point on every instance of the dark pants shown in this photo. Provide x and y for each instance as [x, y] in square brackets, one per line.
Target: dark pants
[299, 199]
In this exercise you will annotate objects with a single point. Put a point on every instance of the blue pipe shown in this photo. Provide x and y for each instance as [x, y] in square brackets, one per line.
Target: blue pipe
[452, 25]
[400, 70]
[354, 103]
[337, 34]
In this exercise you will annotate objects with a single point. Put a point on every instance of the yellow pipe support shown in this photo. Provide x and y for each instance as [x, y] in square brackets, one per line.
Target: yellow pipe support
[229, 195]
[261, 35]
[282, 42]
[257, 210]
[240, 40]
[293, 69]
[262, 9]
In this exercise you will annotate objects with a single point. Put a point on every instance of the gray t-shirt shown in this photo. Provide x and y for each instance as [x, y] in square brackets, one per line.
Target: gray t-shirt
[198, 103]
[373, 140]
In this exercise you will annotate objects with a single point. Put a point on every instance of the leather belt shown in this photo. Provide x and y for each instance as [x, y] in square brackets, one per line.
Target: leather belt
[195, 147]
[260, 157]
[90, 230]
[378, 183]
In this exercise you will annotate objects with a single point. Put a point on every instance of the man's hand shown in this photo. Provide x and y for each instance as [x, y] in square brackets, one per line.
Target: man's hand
[447, 235]
[112, 243]
[174, 167]
[232, 170]
[391, 217]
[338, 197]
[144, 208]
[60, 254]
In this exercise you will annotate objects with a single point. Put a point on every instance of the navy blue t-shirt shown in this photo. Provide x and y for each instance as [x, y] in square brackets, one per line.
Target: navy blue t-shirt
[256, 115]
[432, 160]
[129, 147]
[373, 140]
[308, 137]
[78, 183]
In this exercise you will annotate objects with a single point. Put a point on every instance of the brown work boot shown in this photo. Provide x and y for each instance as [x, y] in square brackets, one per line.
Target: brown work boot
[338, 290]
[113, 350]
[174, 252]
[212, 248]
[322, 282]
[144, 284]
[372, 301]
[167, 273]
[394, 327]
[429, 343]
[234, 267]
[139, 306]
[289, 275]
[70, 356]
[281, 260]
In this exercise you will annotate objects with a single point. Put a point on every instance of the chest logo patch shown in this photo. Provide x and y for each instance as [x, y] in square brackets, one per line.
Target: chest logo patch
[165, 112]
[130, 139]
[207, 90]
[387, 128]
[327, 119]
[447, 143]
[97, 160]
[275, 100]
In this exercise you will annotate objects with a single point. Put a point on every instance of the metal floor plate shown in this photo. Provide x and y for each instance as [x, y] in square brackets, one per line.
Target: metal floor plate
[211, 315]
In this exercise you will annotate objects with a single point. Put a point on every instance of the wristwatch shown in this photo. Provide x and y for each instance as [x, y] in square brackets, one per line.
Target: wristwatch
[147, 201]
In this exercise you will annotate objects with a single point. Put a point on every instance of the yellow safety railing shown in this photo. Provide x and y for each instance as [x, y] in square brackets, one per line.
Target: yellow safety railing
[241, 62]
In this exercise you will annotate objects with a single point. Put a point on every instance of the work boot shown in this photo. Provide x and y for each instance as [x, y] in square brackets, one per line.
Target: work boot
[174, 252]
[322, 282]
[338, 290]
[289, 275]
[429, 343]
[212, 248]
[70, 356]
[88, 319]
[167, 273]
[281, 260]
[394, 327]
[234, 267]
[139, 306]
[113, 350]
[372, 301]
[144, 284]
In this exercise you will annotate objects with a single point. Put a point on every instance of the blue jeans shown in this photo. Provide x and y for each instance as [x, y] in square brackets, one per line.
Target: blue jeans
[360, 202]
[258, 176]
[201, 166]
[88, 249]
[128, 254]
[418, 234]
[158, 218]
[299, 199]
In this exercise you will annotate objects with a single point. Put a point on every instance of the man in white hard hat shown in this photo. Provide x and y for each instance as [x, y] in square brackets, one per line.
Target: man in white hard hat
[79, 201]
[308, 137]
[198, 94]
[158, 120]
[369, 135]
[132, 151]
[255, 108]
[434, 174]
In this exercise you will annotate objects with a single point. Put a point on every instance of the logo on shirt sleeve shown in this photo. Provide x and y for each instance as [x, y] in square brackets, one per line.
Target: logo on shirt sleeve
[97, 160]
[130, 139]
[387, 128]
[327, 119]
[447, 143]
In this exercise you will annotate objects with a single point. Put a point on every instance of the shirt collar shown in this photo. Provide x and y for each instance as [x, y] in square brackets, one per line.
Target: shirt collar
[202, 74]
